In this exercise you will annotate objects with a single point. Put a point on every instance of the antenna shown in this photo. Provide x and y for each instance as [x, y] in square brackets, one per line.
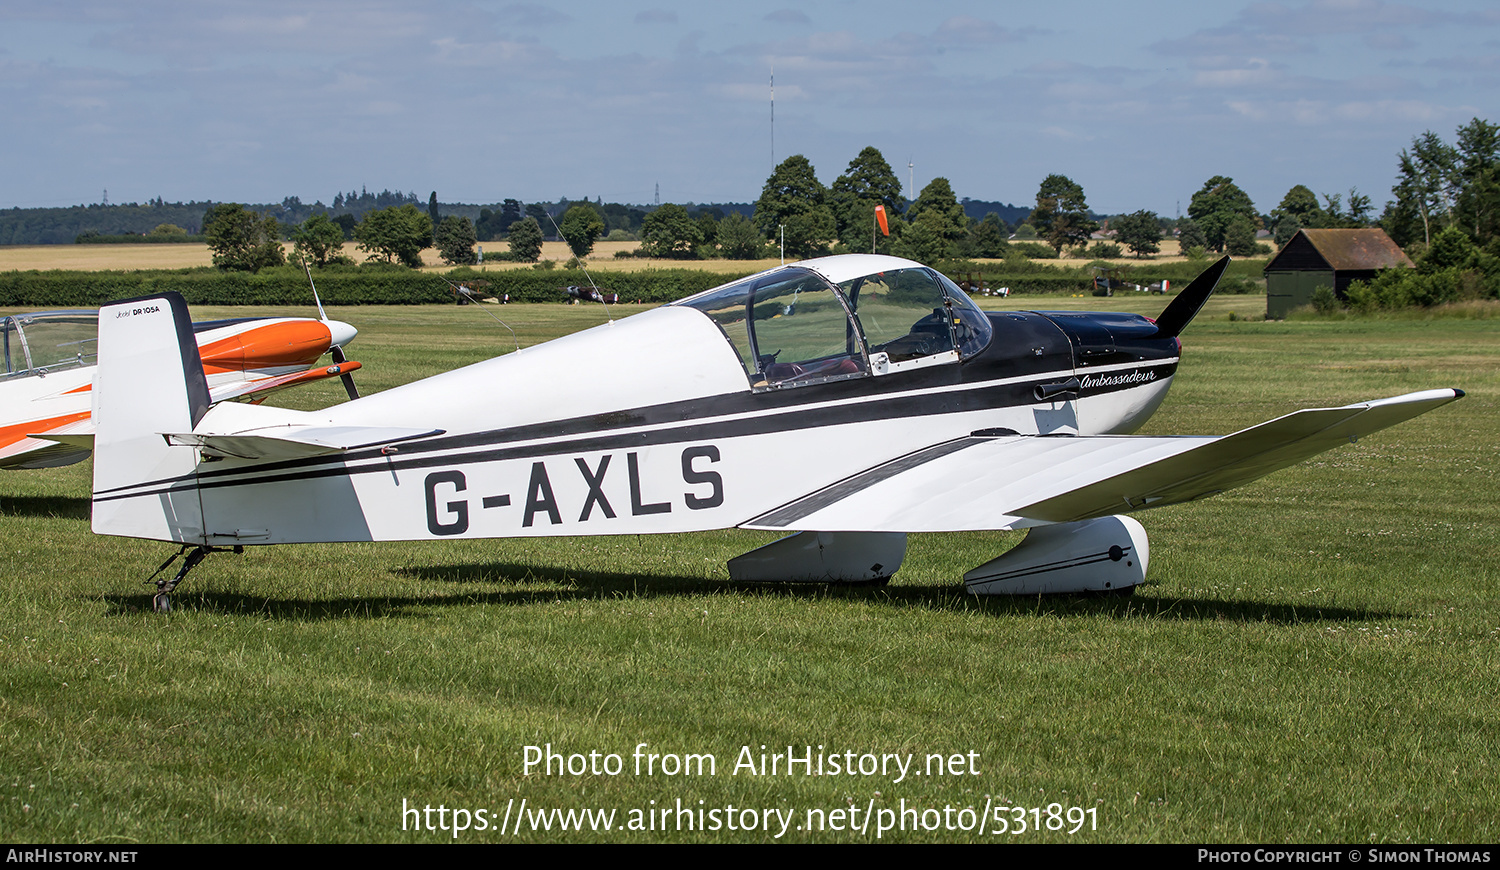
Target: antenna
[465, 293]
[773, 117]
[334, 350]
[597, 291]
[911, 186]
[321, 315]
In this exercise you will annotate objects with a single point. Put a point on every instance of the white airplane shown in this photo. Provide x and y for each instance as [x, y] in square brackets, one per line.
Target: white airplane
[49, 363]
[851, 400]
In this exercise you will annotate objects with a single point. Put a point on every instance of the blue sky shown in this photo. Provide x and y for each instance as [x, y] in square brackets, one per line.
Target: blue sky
[1139, 102]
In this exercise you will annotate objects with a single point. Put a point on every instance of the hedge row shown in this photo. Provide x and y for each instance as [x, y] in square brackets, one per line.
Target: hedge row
[135, 239]
[652, 285]
[66, 289]
[397, 286]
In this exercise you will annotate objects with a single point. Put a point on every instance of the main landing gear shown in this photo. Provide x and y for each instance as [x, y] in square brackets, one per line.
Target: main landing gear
[1101, 556]
[160, 602]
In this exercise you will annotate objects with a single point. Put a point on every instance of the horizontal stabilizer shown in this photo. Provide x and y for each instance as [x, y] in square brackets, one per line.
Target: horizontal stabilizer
[77, 433]
[1019, 481]
[297, 442]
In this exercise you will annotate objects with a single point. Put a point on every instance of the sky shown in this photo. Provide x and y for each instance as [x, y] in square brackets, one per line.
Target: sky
[1140, 102]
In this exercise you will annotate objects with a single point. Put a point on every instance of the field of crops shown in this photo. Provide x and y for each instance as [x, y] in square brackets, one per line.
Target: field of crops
[187, 256]
[1314, 658]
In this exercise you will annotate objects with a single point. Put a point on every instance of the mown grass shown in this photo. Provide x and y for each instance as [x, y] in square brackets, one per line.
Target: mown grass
[1313, 660]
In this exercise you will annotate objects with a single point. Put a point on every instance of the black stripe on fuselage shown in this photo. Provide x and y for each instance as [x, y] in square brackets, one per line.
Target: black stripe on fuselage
[899, 396]
[803, 507]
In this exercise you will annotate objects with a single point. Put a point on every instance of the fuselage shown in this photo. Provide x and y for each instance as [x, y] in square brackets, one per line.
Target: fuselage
[675, 420]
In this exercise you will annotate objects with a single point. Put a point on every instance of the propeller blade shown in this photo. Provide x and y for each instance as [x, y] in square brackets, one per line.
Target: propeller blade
[338, 357]
[1185, 305]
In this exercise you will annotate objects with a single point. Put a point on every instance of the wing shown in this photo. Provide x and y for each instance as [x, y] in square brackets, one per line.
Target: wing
[1016, 481]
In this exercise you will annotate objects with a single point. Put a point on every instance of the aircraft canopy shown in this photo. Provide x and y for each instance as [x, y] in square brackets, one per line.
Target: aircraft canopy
[792, 326]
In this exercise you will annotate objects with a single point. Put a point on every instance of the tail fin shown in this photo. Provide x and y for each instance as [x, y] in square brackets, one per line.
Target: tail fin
[1185, 305]
[149, 382]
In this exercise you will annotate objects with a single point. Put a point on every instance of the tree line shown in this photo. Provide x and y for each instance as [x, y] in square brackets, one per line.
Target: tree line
[1447, 199]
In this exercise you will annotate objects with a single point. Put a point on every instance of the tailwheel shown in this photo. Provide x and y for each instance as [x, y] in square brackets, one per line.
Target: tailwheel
[160, 602]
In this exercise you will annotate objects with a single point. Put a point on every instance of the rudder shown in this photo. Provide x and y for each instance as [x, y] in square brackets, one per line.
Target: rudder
[149, 382]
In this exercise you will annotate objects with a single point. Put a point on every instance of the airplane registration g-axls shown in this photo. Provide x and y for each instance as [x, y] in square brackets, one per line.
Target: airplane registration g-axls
[850, 399]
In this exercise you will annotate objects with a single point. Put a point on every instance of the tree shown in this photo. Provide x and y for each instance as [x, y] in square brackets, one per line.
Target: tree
[432, 213]
[793, 206]
[926, 239]
[510, 212]
[1140, 232]
[1215, 205]
[867, 182]
[536, 212]
[1450, 249]
[1298, 209]
[1335, 217]
[1360, 209]
[1478, 205]
[489, 226]
[1061, 216]
[1427, 182]
[669, 232]
[987, 239]
[947, 215]
[395, 233]
[738, 238]
[1190, 235]
[456, 238]
[1239, 237]
[1286, 227]
[241, 239]
[318, 240]
[581, 227]
[525, 240]
[708, 226]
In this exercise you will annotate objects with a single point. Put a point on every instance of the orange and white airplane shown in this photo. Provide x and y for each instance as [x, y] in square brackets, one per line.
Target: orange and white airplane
[46, 385]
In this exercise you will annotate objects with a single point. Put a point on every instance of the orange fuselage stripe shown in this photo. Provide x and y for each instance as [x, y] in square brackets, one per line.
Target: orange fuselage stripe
[295, 343]
[11, 434]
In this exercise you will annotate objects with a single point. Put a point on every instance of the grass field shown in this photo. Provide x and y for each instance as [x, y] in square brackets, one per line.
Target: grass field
[1314, 658]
